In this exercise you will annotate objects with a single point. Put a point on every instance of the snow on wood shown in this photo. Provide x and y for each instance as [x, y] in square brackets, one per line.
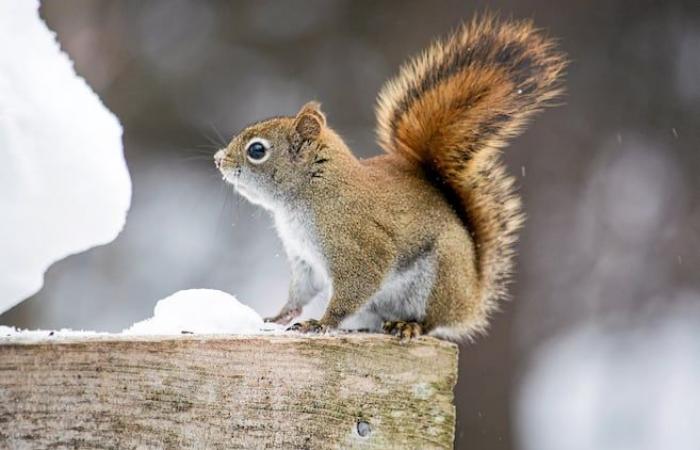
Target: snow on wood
[346, 391]
[201, 311]
[64, 184]
[190, 311]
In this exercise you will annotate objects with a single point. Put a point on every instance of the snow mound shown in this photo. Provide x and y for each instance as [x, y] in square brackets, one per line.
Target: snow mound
[192, 311]
[64, 184]
[200, 311]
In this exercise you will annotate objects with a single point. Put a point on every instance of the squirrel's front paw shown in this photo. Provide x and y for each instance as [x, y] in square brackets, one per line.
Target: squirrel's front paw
[284, 318]
[404, 330]
[308, 326]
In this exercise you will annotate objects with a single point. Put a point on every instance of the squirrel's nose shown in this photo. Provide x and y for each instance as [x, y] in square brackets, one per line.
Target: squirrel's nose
[218, 158]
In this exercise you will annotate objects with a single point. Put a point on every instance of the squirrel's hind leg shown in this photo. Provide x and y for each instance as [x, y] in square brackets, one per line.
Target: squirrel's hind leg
[456, 309]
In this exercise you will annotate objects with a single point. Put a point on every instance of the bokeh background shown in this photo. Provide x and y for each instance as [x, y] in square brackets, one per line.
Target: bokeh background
[600, 347]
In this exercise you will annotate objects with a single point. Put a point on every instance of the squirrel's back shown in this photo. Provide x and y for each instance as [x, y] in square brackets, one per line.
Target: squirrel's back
[453, 108]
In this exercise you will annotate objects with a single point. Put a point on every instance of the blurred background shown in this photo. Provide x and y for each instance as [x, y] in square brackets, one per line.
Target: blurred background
[600, 347]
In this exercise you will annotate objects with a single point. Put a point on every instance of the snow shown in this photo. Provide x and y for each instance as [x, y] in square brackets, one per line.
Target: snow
[64, 184]
[11, 332]
[201, 311]
[192, 311]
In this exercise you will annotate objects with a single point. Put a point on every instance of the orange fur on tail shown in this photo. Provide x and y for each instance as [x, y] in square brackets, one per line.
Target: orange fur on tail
[454, 106]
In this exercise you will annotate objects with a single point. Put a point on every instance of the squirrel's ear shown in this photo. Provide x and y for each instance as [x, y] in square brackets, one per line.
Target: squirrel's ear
[309, 121]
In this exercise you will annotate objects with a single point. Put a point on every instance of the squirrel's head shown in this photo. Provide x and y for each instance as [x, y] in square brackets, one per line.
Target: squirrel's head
[270, 161]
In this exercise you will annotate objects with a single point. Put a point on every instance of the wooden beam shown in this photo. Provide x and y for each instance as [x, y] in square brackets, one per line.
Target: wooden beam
[344, 391]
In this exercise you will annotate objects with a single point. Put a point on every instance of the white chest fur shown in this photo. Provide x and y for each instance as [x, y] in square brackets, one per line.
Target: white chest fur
[297, 232]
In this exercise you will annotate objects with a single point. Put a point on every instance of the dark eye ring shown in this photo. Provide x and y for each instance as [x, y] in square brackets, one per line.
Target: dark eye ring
[258, 150]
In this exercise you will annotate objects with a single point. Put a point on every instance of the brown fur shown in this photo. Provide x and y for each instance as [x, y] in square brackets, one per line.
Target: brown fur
[441, 189]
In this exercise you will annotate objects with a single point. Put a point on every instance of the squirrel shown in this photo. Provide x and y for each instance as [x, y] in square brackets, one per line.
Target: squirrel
[418, 240]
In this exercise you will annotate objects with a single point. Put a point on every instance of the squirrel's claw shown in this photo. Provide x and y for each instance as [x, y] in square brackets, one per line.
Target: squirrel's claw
[308, 326]
[404, 330]
[284, 318]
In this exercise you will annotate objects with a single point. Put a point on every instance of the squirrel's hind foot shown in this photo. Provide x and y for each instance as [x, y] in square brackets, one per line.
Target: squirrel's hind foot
[309, 326]
[405, 331]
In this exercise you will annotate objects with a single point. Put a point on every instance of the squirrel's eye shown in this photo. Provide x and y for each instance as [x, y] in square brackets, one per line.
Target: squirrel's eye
[258, 150]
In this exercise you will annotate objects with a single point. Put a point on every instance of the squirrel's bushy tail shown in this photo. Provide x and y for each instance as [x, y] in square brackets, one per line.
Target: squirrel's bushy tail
[454, 106]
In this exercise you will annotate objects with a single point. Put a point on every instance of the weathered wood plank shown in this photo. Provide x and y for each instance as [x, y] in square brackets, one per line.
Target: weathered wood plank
[227, 392]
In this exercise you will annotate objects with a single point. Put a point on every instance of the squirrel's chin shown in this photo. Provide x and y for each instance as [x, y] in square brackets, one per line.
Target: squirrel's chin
[250, 194]
[229, 177]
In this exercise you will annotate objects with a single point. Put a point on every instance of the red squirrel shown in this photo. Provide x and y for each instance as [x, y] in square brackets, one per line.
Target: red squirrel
[420, 239]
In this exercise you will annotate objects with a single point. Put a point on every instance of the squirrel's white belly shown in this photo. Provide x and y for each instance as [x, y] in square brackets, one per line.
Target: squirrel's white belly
[403, 295]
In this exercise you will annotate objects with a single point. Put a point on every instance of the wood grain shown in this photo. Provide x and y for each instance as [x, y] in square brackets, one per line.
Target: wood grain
[345, 391]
